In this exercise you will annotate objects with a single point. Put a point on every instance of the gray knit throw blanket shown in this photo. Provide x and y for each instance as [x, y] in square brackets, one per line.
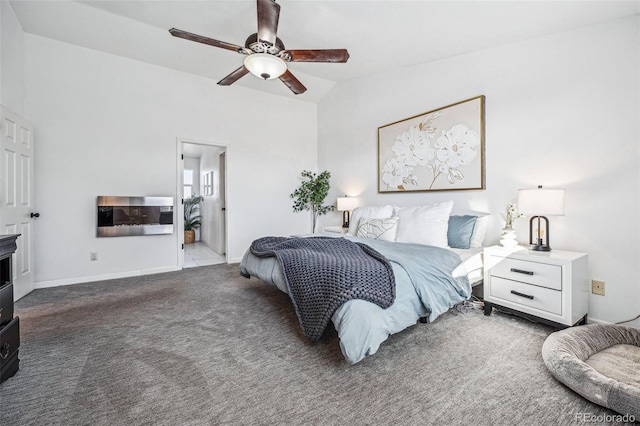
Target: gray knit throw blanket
[322, 273]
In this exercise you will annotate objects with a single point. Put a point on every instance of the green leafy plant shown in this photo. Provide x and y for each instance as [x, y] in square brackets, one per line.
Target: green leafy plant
[311, 194]
[192, 212]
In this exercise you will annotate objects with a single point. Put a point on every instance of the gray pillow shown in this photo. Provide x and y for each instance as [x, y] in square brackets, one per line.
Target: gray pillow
[460, 231]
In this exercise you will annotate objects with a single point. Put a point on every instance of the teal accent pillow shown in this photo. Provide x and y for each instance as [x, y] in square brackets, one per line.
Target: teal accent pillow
[460, 231]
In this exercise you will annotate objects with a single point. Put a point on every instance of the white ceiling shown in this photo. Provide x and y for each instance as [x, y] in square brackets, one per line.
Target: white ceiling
[380, 35]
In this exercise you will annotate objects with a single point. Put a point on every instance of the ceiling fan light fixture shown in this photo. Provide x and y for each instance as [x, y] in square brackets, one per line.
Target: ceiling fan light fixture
[265, 65]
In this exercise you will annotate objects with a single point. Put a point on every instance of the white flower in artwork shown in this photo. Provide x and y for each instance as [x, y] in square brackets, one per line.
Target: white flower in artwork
[427, 124]
[420, 146]
[394, 173]
[412, 147]
[456, 146]
[441, 168]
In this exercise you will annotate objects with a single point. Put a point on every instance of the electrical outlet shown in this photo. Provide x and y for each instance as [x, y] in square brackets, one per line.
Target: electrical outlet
[94, 256]
[597, 287]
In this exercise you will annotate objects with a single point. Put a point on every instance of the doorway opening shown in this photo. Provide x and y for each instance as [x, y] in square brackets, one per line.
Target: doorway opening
[202, 173]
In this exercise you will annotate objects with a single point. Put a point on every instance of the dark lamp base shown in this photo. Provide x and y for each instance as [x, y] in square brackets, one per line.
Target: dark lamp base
[540, 248]
[345, 219]
[539, 244]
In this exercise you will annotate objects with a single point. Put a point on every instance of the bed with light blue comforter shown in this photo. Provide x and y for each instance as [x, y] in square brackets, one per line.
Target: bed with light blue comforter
[425, 287]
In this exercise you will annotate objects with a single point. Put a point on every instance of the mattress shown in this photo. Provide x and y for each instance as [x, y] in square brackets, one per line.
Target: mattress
[471, 266]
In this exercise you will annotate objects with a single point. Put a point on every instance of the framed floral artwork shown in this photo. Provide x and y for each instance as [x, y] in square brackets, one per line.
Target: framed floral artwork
[440, 150]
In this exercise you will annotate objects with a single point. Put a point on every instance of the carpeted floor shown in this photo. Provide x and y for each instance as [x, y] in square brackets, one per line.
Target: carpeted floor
[205, 346]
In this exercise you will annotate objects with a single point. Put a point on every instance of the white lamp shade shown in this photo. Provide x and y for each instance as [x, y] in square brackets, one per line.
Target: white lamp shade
[541, 202]
[346, 203]
[265, 65]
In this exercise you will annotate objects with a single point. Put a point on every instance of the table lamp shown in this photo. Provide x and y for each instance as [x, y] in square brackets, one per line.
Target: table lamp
[539, 203]
[345, 205]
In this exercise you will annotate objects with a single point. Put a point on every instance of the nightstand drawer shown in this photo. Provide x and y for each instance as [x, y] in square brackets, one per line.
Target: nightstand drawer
[539, 274]
[9, 343]
[527, 295]
[6, 304]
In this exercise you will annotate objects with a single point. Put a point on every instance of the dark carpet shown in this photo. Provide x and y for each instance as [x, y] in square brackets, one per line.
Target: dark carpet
[205, 346]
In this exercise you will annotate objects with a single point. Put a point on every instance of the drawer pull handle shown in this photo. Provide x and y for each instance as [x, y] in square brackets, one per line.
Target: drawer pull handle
[521, 271]
[4, 352]
[517, 293]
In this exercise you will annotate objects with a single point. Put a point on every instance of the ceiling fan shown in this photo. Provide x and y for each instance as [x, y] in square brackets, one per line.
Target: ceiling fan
[266, 56]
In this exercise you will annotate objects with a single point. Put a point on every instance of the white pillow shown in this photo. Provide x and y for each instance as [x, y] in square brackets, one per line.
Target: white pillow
[477, 236]
[381, 212]
[425, 224]
[378, 229]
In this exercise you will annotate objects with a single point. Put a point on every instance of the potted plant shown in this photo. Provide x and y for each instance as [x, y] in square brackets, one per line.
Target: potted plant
[191, 218]
[311, 194]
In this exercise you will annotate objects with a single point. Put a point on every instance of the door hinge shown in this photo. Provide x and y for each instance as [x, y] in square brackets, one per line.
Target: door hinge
[183, 247]
[182, 156]
[182, 201]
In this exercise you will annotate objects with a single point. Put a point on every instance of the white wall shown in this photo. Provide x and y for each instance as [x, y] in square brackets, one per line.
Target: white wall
[561, 111]
[11, 60]
[108, 125]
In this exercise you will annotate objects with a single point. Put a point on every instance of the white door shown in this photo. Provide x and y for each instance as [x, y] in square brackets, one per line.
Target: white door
[16, 194]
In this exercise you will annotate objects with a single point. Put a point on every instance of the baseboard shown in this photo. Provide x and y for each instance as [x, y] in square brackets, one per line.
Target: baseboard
[92, 278]
[592, 320]
[634, 323]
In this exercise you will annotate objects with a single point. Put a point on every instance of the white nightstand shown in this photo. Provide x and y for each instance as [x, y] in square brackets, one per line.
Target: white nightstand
[551, 287]
[335, 229]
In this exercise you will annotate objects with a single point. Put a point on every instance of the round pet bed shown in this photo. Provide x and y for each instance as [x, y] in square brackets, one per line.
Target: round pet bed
[601, 362]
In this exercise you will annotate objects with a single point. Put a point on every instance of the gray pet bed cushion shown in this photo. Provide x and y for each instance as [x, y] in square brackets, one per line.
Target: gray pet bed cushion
[601, 362]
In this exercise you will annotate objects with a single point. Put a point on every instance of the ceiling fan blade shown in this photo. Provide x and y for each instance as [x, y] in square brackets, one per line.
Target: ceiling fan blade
[292, 83]
[234, 76]
[268, 15]
[205, 40]
[317, 55]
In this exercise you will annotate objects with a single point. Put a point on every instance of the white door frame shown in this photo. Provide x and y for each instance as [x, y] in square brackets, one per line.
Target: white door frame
[222, 160]
[180, 188]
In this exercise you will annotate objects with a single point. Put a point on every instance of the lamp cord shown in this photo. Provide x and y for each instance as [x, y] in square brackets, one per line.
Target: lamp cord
[632, 319]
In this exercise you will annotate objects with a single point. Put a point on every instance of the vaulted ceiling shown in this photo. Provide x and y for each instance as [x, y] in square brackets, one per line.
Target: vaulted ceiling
[380, 35]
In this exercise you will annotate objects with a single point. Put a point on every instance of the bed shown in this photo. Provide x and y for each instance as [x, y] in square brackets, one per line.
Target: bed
[423, 289]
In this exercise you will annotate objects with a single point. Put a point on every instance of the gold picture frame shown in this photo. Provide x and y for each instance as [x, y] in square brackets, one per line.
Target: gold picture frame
[439, 150]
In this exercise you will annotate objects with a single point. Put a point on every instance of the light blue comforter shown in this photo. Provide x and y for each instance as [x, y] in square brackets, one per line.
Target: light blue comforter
[424, 288]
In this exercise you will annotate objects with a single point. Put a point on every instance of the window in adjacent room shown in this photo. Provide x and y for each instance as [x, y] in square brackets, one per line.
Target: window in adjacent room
[188, 183]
